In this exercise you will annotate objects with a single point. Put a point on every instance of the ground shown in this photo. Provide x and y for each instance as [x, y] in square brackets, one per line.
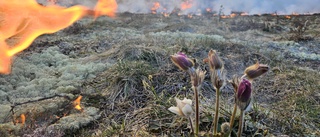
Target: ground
[122, 68]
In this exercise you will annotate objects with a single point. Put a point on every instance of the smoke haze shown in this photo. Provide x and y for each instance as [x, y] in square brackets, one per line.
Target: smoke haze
[249, 6]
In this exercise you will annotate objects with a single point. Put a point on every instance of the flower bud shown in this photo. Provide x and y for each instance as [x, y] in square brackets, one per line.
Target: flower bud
[243, 96]
[218, 78]
[225, 128]
[182, 61]
[256, 70]
[197, 77]
[183, 107]
[213, 60]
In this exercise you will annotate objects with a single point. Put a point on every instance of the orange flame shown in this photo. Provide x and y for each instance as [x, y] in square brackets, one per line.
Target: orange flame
[287, 16]
[186, 5]
[156, 6]
[244, 14]
[76, 103]
[23, 119]
[27, 20]
[208, 9]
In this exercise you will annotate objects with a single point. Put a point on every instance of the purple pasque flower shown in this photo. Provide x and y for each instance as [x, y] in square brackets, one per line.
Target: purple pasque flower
[243, 97]
[182, 61]
[214, 60]
[256, 70]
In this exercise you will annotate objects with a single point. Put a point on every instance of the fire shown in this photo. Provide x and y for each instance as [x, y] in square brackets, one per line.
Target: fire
[21, 120]
[186, 5]
[76, 103]
[244, 14]
[27, 20]
[156, 6]
[232, 15]
[208, 10]
[287, 16]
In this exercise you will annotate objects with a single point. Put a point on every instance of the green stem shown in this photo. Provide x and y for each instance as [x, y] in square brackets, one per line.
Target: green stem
[216, 116]
[197, 110]
[241, 123]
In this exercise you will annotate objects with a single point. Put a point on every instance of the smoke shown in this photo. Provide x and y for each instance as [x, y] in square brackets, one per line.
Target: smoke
[249, 6]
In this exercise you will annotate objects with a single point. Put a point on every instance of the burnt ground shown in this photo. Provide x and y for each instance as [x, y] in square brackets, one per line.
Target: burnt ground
[121, 67]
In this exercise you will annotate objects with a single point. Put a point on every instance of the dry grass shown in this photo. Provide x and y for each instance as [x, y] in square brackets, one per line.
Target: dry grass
[135, 92]
[139, 88]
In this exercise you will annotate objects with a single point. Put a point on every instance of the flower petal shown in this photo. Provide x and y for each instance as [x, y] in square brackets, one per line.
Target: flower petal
[176, 110]
[187, 101]
[187, 110]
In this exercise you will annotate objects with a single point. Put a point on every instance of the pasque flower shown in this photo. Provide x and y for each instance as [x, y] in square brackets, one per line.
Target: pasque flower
[213, 60]
[183, 107]
[243, 96]
[182, 61]
[197, 77]
[255, 70]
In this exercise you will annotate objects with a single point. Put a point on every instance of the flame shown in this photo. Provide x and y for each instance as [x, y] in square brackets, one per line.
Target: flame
[23, 119]
[244, 14]
[208, 10]
[27, 20]
[156, 6]
[186, 5]
[287, 16]
[232, 15]
[165, 14]
[105, 7]
[76, 103]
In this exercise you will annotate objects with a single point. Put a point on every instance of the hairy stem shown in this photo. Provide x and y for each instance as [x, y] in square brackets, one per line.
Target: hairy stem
[241, 123]
[197, 110]
[233, 115]
[190, 120]
[216, 116]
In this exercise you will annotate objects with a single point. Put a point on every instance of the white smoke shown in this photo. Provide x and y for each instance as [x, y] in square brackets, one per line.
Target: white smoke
[249, 6]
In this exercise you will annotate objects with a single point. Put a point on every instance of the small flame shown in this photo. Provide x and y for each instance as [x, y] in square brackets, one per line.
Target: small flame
[27, 20]
[165, 14]
[232, 15]
[156, 6]
[287, 16]
[186, 5]
[244, 14]
[23, 119]
[208, 10]
[76, 103]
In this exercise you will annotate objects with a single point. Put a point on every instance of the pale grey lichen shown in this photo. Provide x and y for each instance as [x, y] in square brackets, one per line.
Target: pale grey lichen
[75, 121]
[44, 74]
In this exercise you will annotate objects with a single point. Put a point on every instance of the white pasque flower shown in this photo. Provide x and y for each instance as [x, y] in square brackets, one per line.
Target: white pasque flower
[183, 107]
